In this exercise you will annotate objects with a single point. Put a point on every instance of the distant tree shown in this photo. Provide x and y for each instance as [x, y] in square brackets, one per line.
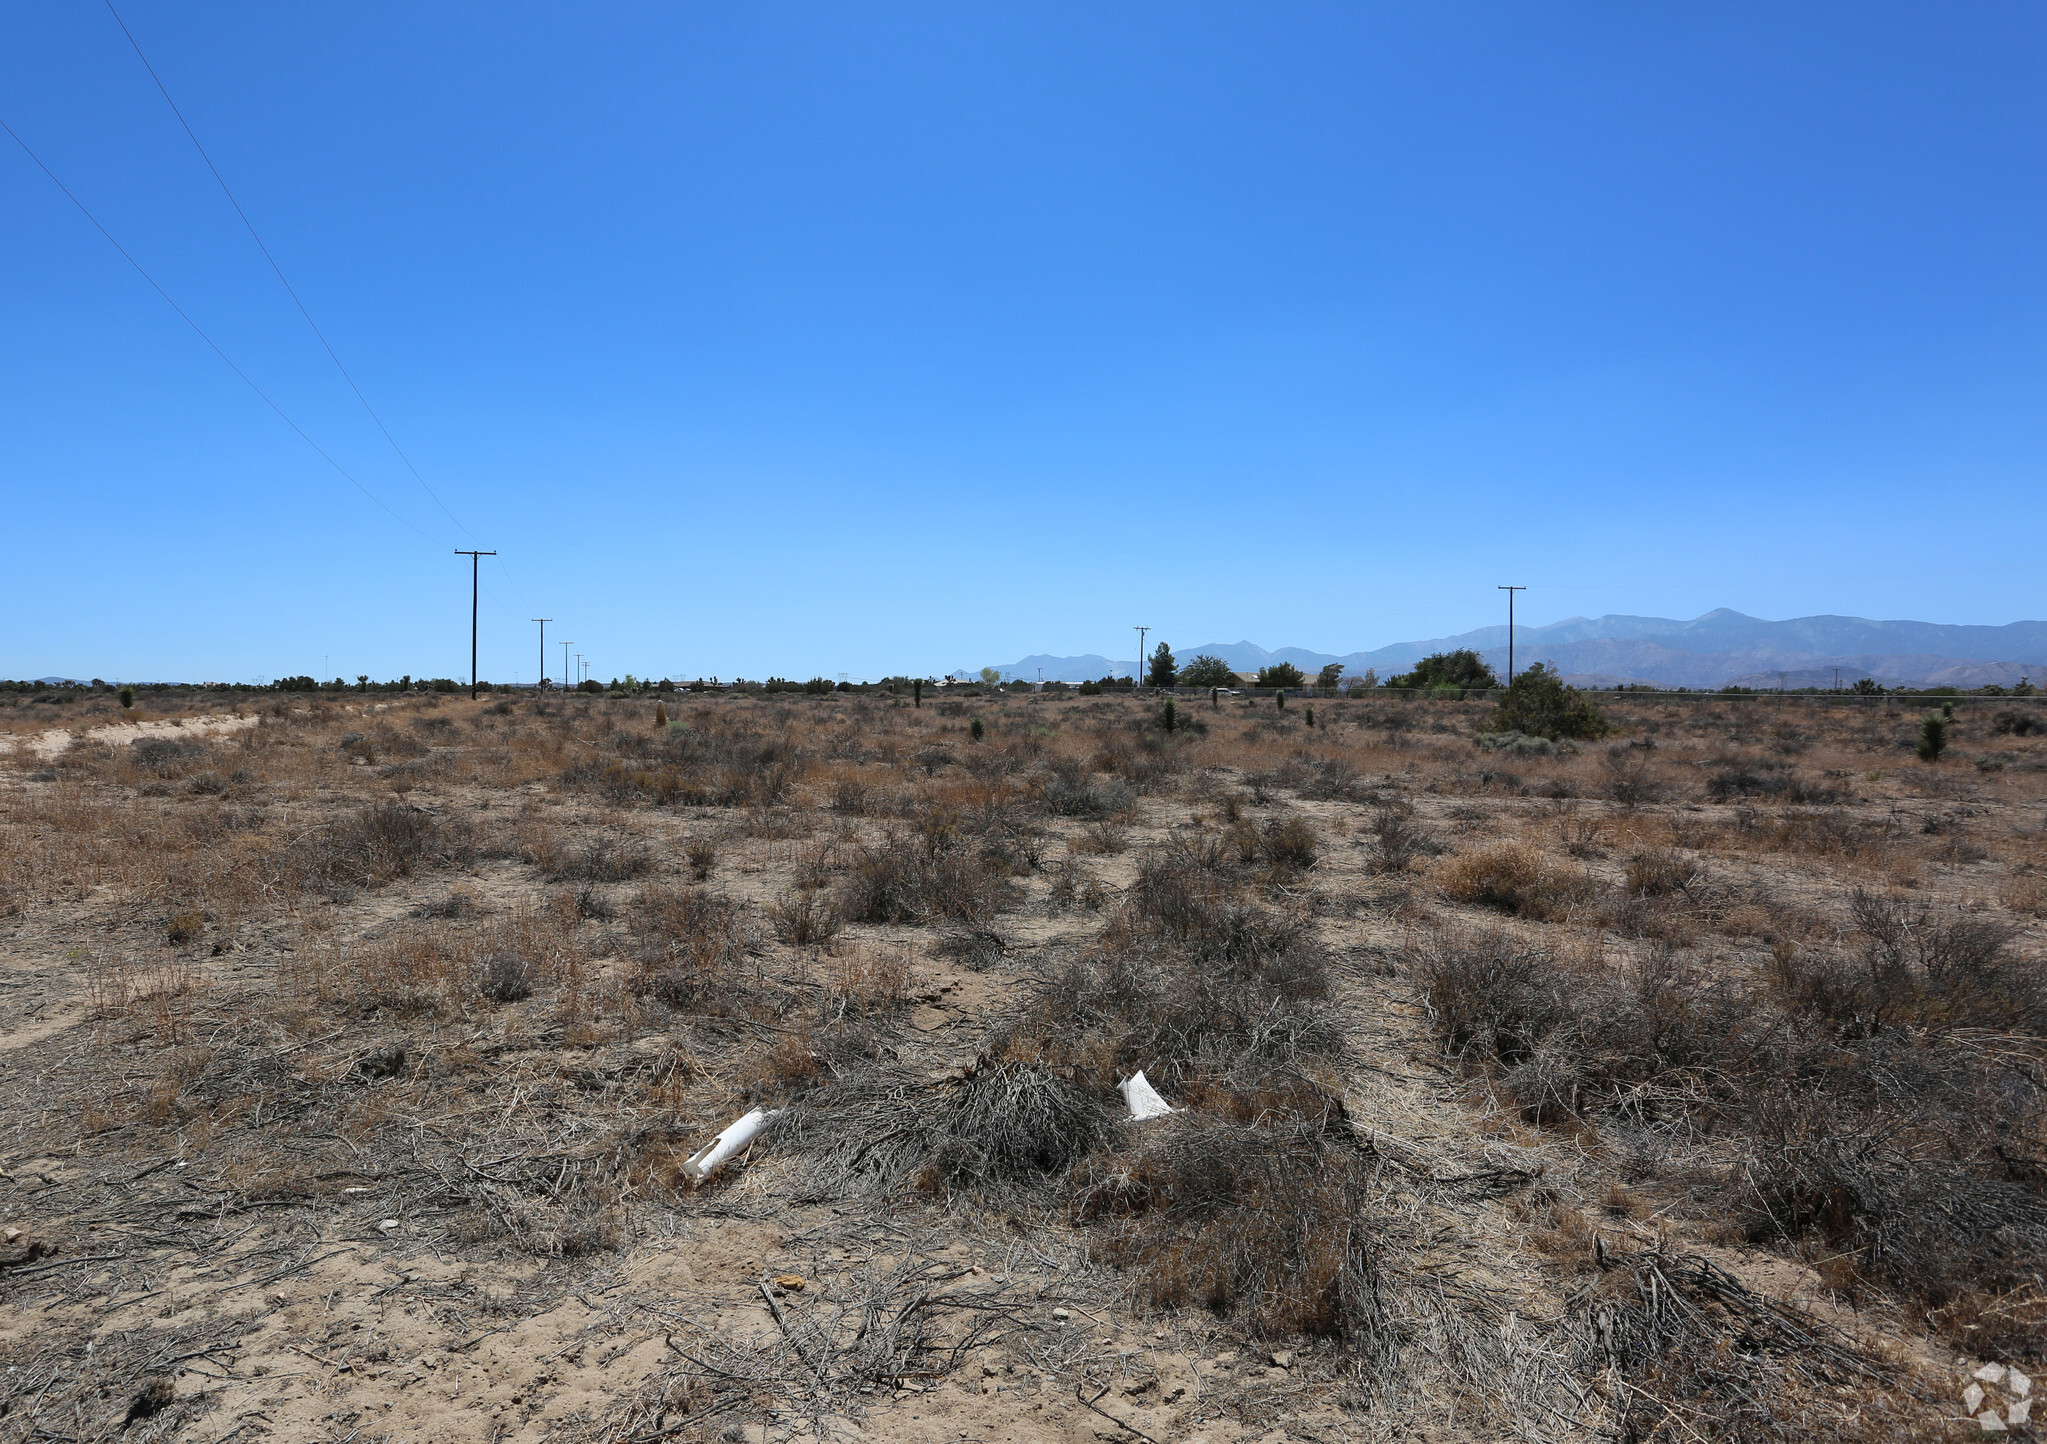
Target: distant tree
[1540, 705]
[1162, 672]
[1461, 668]
[1207, 671]
[818, 686]
[1089, 689]
[362, 682]
[591, 685]
[1282, 674]
[990, 676]
[1329, 676]
[1357, 683]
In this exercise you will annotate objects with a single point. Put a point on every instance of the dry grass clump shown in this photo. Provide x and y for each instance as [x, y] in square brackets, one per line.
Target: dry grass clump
[1515, 878]
[1887, 1107]
[1266, 1226]
[1013, 1124]
[379, 844]
[907, 879]
[690, 946]
[1698, 1355]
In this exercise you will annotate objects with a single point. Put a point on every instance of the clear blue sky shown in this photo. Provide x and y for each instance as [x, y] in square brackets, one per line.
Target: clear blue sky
[836, 338]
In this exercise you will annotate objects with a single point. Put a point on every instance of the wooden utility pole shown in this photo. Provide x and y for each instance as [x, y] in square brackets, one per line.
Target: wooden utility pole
[475, 561]
[1510, 630]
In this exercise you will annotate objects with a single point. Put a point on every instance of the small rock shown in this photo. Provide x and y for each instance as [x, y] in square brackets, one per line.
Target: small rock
[1282, 1358]
[792, 1282]
[1990, 1374]
[13, 1234]
[1061, 1315]
[1223, 1361]
[387, 1224]
[988, 1371]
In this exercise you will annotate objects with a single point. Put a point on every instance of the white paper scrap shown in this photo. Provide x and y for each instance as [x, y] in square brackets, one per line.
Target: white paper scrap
[1143, 1099]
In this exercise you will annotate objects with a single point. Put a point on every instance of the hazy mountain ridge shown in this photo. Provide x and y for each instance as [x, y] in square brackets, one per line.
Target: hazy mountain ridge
[1713, 650]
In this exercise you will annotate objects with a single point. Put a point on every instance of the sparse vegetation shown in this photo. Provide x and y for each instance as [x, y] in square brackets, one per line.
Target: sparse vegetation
[1745, 1021]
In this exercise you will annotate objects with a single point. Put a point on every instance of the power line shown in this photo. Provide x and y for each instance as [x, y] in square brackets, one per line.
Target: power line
[198, 331]
[250, 226]
[292, 291]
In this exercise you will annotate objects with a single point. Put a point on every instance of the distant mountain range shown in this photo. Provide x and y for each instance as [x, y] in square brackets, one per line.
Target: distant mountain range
[1718, 649]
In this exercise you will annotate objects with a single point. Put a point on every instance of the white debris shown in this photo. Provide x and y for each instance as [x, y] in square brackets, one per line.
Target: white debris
[2018, 1383]
[1990, 1374]
[1989, 1422]
[1143, 1099]
[2020, 1413]
[386, 1225]
[1972, 1398]
[720, 1150]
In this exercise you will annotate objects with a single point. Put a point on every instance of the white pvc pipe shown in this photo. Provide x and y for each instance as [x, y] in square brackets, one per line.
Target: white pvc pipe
[720, 1150]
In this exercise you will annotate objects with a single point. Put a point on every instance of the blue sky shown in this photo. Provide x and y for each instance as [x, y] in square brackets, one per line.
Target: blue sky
[797, 339]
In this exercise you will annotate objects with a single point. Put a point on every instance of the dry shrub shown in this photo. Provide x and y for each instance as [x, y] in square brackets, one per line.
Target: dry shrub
[1659, 871]
[1069, 791]
[1263, 1226]
[1288, 845]
[691, 946]
[1864, 1106]
[866, 980]
[1516, 878]
[603, 859]
[902, 880]
[1688, 1336]
[1013, 1125]
[383, 842]
[1200, 987]
[1397, 840]
[1101, 839]
[805, 916]
[702, 853]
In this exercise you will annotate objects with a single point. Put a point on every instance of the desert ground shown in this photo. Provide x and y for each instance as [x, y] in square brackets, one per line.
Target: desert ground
[1682, 1084]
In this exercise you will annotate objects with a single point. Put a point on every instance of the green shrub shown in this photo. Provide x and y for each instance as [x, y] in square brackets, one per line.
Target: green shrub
[977, 729]
[1932, 738]
[1462, 668]
[127, 696]
[1282, 674]
[1540, 705]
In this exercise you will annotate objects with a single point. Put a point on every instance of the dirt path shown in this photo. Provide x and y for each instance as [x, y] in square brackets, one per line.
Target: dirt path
[54, 740]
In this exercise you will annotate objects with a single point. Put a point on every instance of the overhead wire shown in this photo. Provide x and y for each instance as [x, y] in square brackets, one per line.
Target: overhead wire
[212, 345]
[296, 299]
[278, 270]
[293, 291]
